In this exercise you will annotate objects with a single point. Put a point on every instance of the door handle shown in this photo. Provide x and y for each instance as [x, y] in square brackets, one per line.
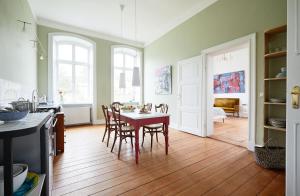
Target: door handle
[295, 97]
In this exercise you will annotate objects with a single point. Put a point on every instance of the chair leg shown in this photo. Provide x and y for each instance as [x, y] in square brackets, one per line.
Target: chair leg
[120, 145]
[109, 131]
[104, 133]
[151, 140]
[116, 135]
[156, 136]
[131, 139]
[143, 136]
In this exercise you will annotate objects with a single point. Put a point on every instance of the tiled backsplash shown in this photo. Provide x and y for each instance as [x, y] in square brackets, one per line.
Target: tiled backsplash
[10, 91]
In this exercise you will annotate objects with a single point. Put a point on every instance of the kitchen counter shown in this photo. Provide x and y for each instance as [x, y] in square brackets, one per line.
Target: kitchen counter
[25, 126]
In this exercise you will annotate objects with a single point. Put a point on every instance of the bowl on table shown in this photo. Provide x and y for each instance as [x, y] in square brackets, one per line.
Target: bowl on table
[19, 175]
[12, 115]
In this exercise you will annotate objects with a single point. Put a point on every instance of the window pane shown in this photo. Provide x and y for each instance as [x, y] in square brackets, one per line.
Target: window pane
[118, 60]
[81, 54]
[64, 83]
[82, 91]
[65, 52]
[129, 61]
[129, 93]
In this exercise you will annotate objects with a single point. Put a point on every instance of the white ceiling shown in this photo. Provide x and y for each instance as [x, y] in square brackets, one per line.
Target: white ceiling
[103, 17]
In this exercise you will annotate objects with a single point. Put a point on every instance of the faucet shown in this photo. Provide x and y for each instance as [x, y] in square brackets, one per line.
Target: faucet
[34, 99]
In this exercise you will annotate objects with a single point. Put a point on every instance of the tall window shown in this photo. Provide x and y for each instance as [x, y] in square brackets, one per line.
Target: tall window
[72, 70]
[126, 69]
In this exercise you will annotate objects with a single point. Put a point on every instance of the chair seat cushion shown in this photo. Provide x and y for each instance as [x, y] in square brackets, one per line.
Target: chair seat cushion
[154, 126]
[127, 128]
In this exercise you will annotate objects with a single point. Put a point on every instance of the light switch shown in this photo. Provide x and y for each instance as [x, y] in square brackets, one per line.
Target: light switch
[261, 94]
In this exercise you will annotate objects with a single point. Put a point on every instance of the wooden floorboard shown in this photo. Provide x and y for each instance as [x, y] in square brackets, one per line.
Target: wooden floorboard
[194, 166]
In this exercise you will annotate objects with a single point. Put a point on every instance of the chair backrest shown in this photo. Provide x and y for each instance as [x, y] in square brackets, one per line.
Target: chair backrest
[117, 105]
[162, 108]
[105, 112]
[148, 106]
[116, 113]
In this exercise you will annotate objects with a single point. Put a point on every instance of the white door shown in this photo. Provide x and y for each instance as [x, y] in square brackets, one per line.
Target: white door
[190, 95]
[293, 115]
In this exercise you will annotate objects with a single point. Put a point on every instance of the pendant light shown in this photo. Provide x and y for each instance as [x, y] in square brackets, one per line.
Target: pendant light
[122, 81]
[136, 69]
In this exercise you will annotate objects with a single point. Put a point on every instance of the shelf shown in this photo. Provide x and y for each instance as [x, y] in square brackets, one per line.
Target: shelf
[274, 79]
[275, 54]
[280, 29]
[270, 103]
[275, 128]
[36, 191]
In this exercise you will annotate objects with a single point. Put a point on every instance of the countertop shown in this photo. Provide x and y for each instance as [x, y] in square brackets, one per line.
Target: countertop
[25, 126]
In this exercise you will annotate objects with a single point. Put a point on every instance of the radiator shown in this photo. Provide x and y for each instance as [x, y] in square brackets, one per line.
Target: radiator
[75, 115]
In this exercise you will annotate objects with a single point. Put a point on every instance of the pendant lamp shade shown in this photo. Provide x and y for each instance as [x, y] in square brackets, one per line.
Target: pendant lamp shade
[136, 77]
[122, 80]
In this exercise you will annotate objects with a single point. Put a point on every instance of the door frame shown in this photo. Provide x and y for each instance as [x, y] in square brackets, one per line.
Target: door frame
[251, 39]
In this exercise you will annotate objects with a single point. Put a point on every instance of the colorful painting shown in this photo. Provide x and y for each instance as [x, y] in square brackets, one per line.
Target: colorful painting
[163, 80]
[233, 82]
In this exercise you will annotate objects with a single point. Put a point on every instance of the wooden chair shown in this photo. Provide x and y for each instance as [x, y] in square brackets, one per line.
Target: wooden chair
[117, 105]
[123, 131]
[148, 106]
[110, 125]
[155, 128]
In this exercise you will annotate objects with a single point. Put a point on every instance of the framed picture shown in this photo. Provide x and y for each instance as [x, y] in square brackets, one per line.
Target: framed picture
[163, 80]
[233, 82]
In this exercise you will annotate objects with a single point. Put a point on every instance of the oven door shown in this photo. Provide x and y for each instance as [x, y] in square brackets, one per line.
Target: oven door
[50, 153]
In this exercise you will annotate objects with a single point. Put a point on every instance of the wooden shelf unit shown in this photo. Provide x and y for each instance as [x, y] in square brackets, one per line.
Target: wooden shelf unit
[274, 58]
[276, 54]
[271, 103]
[274, 128]
[272, 79]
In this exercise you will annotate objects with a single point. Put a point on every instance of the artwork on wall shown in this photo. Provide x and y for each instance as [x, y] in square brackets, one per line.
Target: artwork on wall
[233, 82]
[163, 80]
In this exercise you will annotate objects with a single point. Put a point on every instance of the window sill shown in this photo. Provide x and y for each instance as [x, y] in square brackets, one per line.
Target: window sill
[76, 104]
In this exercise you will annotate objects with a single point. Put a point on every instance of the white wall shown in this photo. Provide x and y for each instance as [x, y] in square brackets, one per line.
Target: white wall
[18, 57]
[237, 59]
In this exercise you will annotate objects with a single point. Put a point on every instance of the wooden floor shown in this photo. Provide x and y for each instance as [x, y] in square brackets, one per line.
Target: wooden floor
[194, 166]
[233, 130]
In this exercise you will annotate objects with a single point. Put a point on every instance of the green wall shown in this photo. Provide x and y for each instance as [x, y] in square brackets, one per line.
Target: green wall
[103, 67]
[221, 22]
[18, 66]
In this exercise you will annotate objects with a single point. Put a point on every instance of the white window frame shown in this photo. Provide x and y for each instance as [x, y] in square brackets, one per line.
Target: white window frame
[51, 37]
[140, 69]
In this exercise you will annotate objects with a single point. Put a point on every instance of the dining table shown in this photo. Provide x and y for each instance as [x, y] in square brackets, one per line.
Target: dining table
[138, 119]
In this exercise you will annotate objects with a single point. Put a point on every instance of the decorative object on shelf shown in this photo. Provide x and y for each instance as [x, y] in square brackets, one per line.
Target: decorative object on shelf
[278, 122]
[277, 100]
[163, 83]
[282, 74]
[19, 175]
[270, 156]
[232, 82]
[31, 181]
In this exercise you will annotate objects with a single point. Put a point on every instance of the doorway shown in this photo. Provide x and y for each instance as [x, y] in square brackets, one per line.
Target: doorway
[231, 92]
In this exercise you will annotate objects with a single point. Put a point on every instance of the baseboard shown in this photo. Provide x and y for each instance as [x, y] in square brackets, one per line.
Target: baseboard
[173, 126]
[99, 122]
[251, 146]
